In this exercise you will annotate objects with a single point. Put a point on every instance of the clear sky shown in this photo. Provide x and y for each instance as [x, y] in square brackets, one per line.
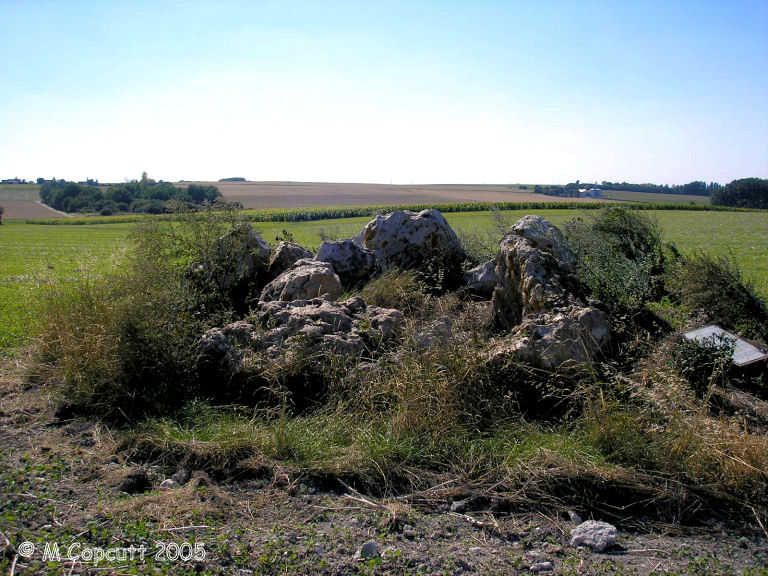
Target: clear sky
[365, 91]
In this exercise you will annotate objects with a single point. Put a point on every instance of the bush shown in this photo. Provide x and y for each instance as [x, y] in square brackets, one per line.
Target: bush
[703, 362]
[224, 277]
[715, 285]
[620, 256]
[126, 344]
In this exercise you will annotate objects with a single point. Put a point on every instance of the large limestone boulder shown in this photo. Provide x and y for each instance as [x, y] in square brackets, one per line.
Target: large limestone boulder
[286, 254]
[407, 239]
[352, 263]
[481, 280]
[531, 275]
[544, 235]
[538, 300]
[305, 280]
[349, 328]
[227, 345]
[551, 340]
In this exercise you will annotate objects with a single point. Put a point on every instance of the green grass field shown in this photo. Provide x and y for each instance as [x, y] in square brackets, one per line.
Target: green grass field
[33, 256]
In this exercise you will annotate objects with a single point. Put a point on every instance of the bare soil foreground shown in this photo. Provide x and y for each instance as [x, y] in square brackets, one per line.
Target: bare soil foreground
[61, 486]
[308, 194]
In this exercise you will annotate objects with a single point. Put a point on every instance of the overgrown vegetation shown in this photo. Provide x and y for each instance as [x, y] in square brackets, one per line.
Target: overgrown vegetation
[126, 343]
[703, 363]
[428, 407]
[620, 256]
[715, 285]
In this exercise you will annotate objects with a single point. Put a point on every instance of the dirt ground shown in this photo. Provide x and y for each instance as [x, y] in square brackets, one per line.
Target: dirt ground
[59, 486]
[309, 194]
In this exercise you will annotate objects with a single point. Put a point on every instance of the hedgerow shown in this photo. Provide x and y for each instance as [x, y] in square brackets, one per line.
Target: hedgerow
[331, 212]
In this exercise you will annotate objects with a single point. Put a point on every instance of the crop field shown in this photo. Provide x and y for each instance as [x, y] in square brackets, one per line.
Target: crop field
[21, 202]
[629, 196]
[308, 194]
[33, 256]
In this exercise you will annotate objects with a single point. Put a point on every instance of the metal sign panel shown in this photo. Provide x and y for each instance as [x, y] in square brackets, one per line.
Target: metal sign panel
[744, 353]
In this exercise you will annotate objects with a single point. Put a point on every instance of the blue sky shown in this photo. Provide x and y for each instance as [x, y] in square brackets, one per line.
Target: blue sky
[427, 92]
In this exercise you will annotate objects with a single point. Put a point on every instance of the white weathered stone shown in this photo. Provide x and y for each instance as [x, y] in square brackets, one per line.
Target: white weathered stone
[169, 484]
[227, 345]
[550, 340]
[286, 254]
[352, 263]
[350, 327]
[407, 239]
[539, 301]
[528, 280]
[305, 280]
[544, 235]
[597, 535]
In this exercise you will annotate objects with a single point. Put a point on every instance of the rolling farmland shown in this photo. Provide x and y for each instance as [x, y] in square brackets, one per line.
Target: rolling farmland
[22, 202]
[33, 257]
[309, 194]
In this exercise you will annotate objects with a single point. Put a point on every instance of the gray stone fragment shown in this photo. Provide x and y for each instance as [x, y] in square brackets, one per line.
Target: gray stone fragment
[286, 254]
[304, 280]
[597, 535]
[352, 263]
[481, 280]
[368, 550]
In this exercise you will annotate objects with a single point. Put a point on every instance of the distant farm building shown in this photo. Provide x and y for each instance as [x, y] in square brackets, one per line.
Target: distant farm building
[13, 181]
[590, 193]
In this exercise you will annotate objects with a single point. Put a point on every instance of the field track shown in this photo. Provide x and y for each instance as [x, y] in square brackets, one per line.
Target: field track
[309, 194]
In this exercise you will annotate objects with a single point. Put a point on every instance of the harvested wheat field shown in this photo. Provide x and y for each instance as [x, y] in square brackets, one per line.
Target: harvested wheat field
[22, 202]
[307, 194]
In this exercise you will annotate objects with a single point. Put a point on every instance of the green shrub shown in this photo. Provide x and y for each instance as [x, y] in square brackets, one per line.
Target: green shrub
[703, 362]
[715, 285]
[401, 290]
[126, 344]
[620, 256]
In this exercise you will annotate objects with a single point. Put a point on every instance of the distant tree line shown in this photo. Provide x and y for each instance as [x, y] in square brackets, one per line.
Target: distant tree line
[744, 193]
[571, 190]
[695, 188]
[139, 196]
[233, 179]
